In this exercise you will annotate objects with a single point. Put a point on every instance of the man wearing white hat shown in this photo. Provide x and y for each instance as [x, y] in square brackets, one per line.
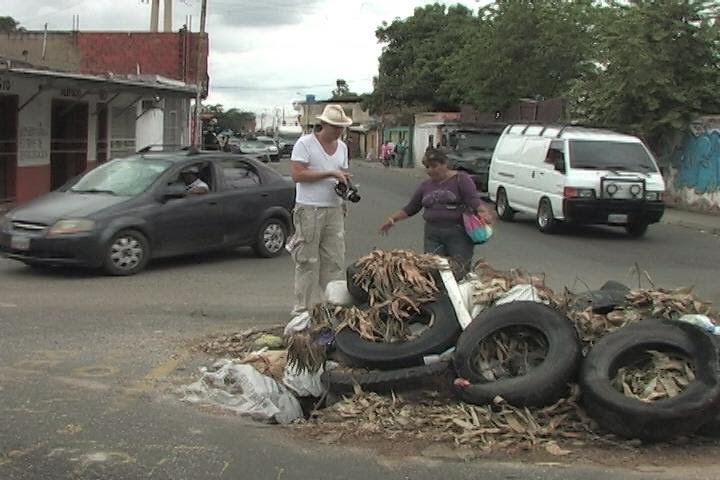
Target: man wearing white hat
[319, 160]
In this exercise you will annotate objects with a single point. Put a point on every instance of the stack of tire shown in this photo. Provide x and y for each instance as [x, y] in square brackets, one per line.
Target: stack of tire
[396, 365]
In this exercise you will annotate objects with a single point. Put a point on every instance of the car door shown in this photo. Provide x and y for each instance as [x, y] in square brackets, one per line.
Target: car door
[192, 223]
[245, 198]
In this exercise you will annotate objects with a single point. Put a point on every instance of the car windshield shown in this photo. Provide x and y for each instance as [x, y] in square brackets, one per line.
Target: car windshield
[476, 141]
[124, 176]
[267, 141]
[603, 155]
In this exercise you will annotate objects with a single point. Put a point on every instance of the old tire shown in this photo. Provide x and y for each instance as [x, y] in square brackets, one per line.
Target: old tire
[386, 356]
[545, 219]
[271, 238]
[542, 385]
[502, 206]
[359, 294]
[382, 381]
[655, 421]
[127, 253]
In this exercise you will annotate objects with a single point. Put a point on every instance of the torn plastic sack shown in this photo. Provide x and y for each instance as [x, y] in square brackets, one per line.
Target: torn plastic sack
[337, 293]
[467, 291]
[303, 383]
[242, 389]
[299, 323]
[523, 292]
[701, 321]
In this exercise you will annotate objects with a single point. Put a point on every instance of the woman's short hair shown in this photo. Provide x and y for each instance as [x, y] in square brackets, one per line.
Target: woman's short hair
[433, 155]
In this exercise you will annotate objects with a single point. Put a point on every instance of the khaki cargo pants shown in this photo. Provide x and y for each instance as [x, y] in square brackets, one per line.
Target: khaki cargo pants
[319, 246]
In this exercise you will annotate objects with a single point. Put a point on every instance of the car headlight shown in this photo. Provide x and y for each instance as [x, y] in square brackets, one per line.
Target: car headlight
[75, 225]
[653, 196]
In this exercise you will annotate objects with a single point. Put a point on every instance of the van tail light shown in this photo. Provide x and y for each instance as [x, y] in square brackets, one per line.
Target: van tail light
[573, 192]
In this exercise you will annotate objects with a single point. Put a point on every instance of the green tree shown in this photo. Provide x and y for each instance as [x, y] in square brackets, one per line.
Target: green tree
[9, 24]
[659, 67]
[234, 119]
[342, 91]
[413, 64]
[524, 49]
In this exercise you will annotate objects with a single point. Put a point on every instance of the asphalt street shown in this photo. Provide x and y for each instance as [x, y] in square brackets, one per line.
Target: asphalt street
[90, 363]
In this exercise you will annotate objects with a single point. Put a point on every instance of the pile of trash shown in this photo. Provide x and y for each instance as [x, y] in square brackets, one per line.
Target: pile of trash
[497, 360]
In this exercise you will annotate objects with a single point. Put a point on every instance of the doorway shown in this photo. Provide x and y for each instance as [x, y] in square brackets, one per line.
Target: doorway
[68, 141]
[8, 145]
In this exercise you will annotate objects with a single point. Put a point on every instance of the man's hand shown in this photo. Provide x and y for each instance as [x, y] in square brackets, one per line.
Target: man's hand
[341, 176]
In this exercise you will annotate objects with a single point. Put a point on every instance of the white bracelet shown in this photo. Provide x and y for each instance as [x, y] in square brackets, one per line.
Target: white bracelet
[392, 221]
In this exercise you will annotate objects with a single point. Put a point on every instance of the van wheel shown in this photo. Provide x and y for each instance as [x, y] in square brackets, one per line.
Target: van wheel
[637, 229]
[502, 207]
[546, 222]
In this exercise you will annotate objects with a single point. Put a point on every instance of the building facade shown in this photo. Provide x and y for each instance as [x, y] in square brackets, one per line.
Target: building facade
[55, 125]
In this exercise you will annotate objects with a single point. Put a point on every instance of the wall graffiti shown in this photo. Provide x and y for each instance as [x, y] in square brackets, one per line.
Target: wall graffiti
[697, 161]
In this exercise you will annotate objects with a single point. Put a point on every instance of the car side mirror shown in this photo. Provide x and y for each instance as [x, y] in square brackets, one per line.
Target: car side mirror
[175, 190]
[560, 165]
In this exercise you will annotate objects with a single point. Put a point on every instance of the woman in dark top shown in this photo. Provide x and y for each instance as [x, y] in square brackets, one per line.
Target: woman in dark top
[444, 197]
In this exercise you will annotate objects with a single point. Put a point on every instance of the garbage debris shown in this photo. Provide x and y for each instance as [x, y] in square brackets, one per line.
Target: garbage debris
[523, 292]
[302, 382]
[272, 342]
[660, 375]
[701, 321]
[396, 284]
[237, 344]
[242, 389]
[337, 293]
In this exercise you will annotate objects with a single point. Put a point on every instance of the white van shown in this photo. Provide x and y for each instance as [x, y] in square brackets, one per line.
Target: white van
[575, 174]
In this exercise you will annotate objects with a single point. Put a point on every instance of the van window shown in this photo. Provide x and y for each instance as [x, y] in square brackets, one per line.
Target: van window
[603, 155]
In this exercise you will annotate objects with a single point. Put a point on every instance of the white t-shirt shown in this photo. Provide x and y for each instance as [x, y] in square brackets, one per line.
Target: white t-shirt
[197, 183]
[321, 193]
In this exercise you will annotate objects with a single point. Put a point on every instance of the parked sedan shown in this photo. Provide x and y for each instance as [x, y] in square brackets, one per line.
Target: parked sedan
[123, 213]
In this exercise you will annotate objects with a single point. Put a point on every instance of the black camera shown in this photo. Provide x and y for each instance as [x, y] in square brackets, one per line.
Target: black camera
[348, 191]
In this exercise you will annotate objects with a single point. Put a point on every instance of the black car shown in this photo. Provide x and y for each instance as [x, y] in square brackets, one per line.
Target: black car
[127, 211]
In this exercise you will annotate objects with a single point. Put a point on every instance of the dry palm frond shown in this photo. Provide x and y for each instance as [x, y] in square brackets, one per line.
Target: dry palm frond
[307, 349]
[657, 376]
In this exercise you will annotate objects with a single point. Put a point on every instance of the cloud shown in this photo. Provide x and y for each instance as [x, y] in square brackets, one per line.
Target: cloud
[268, 13]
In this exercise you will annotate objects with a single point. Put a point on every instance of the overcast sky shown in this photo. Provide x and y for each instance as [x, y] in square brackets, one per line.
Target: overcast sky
[263, 53]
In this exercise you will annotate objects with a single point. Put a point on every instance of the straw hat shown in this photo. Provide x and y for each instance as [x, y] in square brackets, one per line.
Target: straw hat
[335, 115]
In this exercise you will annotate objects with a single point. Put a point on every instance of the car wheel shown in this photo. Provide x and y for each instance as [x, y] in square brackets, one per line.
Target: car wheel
[271, 238]
[541, 385]
[127, 253]
[637, 229]
[546, 222]
[654, 420]
[502, 207]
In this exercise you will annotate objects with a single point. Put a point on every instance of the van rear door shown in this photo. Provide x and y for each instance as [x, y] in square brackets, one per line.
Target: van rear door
[530, 166]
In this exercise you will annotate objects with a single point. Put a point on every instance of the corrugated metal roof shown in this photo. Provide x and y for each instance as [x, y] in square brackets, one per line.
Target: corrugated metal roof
[133, 82]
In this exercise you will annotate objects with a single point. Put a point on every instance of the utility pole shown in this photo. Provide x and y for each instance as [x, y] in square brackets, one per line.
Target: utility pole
[197, 141]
